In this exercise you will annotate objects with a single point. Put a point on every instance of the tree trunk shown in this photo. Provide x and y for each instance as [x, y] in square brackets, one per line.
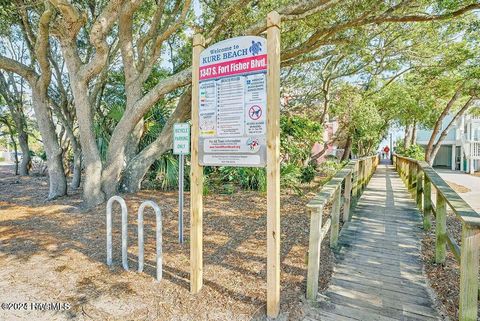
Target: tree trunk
[408, 136]
[447, 129]
[77, 169]
[56, 174]
[347, 149]
[438, 123]
[14, 143]
[131, 149]
[23, 141]
[123, 144]
[139, 165]
[414, 133]
[14, 100]
[92, 188]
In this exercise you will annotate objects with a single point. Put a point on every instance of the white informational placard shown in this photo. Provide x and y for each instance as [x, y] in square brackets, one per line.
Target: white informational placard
[181, 139]
[232, 103]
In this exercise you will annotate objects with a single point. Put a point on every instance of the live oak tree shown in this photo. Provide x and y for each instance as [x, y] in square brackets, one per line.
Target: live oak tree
[12, 93]
[38, 74]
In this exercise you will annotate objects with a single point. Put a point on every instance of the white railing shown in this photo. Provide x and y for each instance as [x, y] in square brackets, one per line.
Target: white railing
[475, 150]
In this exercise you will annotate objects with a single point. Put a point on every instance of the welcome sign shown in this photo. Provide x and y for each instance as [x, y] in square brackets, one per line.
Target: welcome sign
[232, 103]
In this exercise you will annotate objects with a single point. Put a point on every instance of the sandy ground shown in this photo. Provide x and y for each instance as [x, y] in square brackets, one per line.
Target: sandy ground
[55, 253]
[470, 183]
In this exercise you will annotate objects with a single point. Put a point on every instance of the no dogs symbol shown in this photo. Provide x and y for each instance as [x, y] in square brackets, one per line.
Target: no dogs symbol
[255, 112]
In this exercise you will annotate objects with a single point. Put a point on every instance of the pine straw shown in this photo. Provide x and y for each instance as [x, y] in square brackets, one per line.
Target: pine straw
[444, 278]
[56, 252]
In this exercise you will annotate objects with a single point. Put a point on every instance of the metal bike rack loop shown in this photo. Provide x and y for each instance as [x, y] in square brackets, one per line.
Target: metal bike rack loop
[158, 215]
[122, 203]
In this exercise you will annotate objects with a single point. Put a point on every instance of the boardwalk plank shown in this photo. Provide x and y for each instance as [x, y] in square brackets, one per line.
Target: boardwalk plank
[387, 307]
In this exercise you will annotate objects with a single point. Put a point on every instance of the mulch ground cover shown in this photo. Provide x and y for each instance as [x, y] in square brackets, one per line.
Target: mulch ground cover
[56, 252]
[444, 278]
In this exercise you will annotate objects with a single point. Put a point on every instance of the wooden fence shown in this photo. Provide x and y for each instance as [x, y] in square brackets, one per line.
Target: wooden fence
[419, 178]
[349, 182]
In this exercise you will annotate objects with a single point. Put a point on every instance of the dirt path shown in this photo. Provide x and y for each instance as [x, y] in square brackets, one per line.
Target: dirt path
[54, 252]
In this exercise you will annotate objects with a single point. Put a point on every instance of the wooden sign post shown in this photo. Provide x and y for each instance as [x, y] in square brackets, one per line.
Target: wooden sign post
[196, 178]
[236, 122]
[273, 164]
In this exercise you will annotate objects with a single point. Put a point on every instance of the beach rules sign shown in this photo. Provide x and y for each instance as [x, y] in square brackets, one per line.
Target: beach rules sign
[232, 103]
[236, 122]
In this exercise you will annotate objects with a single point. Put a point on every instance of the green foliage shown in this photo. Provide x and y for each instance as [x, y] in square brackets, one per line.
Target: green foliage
[360, 117]
[167, 171]
[328, 168]
[414, 151]
[249, 178]
[307, 173]
[298, 134]
[290, 175]
[42, 155]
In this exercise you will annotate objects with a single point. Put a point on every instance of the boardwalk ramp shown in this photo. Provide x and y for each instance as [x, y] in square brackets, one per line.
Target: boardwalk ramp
[378, 271]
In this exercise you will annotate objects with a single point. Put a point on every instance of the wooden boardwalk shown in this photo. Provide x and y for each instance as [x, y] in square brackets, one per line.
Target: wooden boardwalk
[378, 271]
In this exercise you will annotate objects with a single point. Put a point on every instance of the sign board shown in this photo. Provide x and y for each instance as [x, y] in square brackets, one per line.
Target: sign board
[232, 103]
[181, 139]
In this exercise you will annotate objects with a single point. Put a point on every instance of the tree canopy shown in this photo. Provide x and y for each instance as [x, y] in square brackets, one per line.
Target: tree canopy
[108, 79]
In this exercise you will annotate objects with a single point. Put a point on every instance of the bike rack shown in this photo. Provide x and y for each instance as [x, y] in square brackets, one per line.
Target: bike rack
[122, 203]
[158, 215]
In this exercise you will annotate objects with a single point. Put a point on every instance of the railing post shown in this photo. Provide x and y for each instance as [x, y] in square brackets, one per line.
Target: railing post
[406, 174]
[347, 197]
[314, 246]
[356, 190]
[411, 167]
[370, 169]
[335, 219]
[415, 177]
[441, 229]
[427, 203]
[469, 273]
[419, 193]
[369, 163]
[364, 171]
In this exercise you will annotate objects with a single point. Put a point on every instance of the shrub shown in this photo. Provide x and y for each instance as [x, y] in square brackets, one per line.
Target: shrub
[249, 178]
[414, 151]
[308, 173]
[330, 167]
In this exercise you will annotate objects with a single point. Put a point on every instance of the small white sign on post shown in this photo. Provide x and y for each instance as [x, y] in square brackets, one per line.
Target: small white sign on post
[181, 139]
[181, 147]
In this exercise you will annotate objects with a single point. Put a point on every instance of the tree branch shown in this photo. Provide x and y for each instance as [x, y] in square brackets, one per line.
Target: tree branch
[20, 69]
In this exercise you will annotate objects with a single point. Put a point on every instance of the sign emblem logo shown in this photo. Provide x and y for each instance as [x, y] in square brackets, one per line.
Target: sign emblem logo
[254, 144]
[255, 112]
[255, 48]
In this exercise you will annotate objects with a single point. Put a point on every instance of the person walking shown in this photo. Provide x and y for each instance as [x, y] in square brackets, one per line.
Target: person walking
[386, 151]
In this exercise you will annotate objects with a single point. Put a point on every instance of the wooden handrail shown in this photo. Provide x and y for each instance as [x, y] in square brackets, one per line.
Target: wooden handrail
[354, 177]
[461, 208]
[469, 251]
